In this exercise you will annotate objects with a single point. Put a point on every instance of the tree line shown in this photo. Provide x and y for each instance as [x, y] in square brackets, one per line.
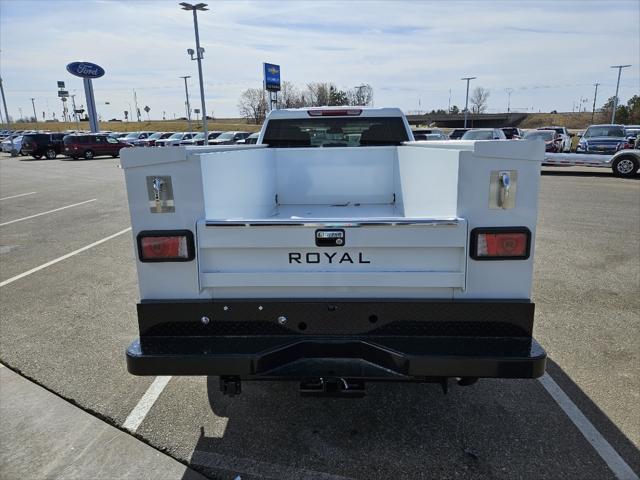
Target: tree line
[254, 102]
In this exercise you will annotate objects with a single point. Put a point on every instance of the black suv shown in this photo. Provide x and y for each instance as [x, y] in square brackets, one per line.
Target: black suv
[42, 144]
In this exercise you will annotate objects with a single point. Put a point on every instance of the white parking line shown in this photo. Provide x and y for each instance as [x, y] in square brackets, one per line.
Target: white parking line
[140, 411]
[64, 257]
[620, 468]
[16, 196]
[48, 211]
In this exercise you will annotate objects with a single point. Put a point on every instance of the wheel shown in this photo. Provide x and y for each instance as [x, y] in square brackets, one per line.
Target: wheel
[50, 154]
[88, 154]
[625, 166]
[37, 157]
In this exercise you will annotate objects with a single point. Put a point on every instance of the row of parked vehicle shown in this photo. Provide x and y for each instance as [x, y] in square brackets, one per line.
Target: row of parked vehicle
[89, 145]
[168, 139]
[602, 139]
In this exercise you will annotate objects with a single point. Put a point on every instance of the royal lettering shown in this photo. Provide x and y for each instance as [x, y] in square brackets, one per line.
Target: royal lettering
[314, 258]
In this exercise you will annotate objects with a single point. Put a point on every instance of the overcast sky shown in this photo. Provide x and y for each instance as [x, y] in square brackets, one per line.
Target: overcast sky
[413, 53]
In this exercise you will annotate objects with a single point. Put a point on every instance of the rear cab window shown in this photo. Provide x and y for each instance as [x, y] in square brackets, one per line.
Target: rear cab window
[335, 132]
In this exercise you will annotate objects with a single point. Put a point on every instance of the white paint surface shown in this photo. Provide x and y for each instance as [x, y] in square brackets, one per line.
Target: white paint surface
[64, 257]
[19, 195]
[620, 468]
[47, 212]
[141, 410]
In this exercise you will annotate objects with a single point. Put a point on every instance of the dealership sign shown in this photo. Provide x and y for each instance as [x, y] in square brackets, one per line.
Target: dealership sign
[85, 69]
[272, 77]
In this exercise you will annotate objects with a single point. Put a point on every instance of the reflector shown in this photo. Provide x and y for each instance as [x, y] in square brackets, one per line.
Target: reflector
[500, 243]
[162, 246]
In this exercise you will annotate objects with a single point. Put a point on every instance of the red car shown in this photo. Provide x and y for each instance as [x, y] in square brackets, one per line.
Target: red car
[552, 139]
[92, 145]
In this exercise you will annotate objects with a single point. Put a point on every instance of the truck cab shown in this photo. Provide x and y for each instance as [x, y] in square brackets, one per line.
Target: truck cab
[334, 252]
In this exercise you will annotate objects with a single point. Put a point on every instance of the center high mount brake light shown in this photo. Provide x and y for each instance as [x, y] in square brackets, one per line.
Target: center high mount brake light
[334, 113]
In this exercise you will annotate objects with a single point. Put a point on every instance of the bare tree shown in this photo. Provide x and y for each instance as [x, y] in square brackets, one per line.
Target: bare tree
[289, 96]
[479, 99]
[362, 95]
[317, 94]
[253, 105]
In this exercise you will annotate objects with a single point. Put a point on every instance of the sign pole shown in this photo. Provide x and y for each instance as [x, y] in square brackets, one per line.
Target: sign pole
[91, 105]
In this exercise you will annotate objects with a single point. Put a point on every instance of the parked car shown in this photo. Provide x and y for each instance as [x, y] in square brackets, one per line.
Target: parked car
[552, 140]
[152, 139]
[12, 144]
[132, 137]
[512, 133]
[92, 145]
[175, 139]
[633, 134]
[430, 136]
[199, 138]
[484, 134]
[250, 140]
[457, 133]
[564, 135]
[426, 131]
[229, 138]
[38, 145]
[604, 139]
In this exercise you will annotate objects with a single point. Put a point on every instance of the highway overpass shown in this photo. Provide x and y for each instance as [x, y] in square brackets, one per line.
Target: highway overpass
[475, 120]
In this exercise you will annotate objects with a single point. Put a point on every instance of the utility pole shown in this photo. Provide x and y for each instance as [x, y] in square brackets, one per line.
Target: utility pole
[508, 90]
[449, 109]
[615, 99]
[4, 103]
[6, 114]
[199, 54]
[33, 104]
[186, 92]
[466, 102]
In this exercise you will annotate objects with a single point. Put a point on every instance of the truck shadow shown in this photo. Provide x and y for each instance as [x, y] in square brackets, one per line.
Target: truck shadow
[494, 429]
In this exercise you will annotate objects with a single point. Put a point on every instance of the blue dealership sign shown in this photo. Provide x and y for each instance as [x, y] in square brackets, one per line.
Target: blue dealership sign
[272, 77]
[85, 70]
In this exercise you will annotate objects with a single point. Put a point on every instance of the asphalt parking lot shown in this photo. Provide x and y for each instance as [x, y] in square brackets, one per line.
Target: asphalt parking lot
[66, 326]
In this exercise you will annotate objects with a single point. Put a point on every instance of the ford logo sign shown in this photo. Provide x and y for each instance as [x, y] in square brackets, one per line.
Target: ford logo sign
[85, 69]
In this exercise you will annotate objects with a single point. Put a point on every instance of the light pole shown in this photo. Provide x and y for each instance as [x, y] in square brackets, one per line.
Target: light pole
[508, 90]
[615, 99]
[466, 102]
[4, 103]
[595, 95]
[186, 92]
[199, 51]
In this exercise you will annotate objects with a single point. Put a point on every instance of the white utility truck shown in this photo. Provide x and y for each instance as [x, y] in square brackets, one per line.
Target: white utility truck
[334, 252]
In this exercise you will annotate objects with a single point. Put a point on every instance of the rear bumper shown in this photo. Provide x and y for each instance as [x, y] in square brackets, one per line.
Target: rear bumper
[408, 340]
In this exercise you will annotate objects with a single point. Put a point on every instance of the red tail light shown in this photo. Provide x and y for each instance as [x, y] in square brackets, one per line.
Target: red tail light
[500, 243]
[166, 246]
[334, 113]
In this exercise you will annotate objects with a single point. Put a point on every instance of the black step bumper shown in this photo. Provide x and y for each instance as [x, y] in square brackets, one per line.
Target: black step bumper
[390, 340]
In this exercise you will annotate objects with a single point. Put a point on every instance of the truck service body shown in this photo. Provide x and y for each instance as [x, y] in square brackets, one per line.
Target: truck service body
[335, 251]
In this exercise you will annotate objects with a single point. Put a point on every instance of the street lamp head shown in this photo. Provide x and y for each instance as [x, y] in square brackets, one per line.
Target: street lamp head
[468, 78]
[197, 6]
[190, 51]
[620, 66]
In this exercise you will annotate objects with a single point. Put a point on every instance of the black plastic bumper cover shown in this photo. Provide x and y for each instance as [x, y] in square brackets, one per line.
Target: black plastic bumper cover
[374, 354]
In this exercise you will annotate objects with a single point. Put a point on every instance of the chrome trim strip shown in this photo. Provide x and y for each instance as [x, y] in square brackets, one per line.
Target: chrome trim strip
[378, 222]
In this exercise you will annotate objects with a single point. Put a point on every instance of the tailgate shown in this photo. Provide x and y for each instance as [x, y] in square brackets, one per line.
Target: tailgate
[407, 253]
